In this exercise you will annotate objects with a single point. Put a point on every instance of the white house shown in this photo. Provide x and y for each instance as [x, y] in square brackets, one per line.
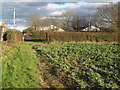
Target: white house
[52, 27]
[91, 28]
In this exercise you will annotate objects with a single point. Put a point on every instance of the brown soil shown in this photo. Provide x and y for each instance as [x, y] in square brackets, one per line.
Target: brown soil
[46, 80]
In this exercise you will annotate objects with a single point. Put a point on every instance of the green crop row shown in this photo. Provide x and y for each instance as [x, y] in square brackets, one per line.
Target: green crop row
[83, 65]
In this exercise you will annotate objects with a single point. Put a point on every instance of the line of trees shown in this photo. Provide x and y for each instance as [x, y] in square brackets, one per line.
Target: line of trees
[107, 15]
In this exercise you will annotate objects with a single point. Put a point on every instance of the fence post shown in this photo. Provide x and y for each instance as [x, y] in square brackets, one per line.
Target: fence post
[47, 37]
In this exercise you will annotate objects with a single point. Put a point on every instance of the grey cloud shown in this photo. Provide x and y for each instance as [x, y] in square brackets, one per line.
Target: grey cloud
[34, 4]
[23, 9]
[59, 0]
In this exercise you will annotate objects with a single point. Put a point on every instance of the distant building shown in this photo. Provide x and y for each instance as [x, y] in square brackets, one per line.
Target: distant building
[91, 29]
[52, 28]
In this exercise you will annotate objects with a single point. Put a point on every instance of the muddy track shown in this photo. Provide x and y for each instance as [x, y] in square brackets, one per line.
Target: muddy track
[47, 80]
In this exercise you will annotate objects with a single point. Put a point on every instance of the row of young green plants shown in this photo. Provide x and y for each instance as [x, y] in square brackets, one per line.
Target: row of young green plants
[83, 65]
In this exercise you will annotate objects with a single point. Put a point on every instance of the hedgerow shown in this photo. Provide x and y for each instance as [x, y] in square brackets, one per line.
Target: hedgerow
[74, 36]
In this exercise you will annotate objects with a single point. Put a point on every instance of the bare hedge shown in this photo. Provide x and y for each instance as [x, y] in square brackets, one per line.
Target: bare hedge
[74, 36]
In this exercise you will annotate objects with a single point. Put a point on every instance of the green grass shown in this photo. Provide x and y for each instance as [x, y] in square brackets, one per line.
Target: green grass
[83, 64]
[20, 68]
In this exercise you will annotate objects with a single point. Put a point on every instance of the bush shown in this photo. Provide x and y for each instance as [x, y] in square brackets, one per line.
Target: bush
[13, 36]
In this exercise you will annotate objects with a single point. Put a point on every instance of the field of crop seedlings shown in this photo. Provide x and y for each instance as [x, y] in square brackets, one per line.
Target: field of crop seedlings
[81, 65]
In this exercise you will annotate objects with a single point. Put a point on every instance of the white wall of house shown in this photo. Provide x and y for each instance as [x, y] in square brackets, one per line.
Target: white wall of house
[51, 27]
[91, 28]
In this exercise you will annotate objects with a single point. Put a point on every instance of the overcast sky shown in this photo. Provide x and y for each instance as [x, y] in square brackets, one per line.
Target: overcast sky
[23, 9]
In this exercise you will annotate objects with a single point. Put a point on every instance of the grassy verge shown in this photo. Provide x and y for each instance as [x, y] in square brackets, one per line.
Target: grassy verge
[20, 67]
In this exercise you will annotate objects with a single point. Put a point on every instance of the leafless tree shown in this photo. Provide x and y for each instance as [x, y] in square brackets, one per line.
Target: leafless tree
[71, 20]
[109, 14]
[45, 22]
[33, 21]
[68, 16]
[76, 21]
[58, 23]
